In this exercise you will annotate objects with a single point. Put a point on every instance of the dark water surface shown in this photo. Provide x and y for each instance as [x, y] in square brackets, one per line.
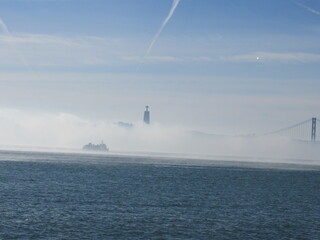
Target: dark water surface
[73, 196]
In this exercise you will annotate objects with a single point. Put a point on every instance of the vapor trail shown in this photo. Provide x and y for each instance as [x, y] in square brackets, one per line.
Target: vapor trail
[4, 28]
[8, 34]
[173, 8]
[307, 8]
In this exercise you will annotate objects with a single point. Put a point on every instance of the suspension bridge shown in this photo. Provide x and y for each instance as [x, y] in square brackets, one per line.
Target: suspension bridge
[303, 131]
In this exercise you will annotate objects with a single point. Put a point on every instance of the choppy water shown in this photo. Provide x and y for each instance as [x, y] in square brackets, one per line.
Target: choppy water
[73, 196]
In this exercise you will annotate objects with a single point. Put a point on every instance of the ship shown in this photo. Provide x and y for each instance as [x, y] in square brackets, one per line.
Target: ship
[96, 147]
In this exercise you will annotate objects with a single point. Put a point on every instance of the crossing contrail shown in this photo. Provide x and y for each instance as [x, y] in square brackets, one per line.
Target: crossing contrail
[20, 55]
[173, 8]
[307, 8]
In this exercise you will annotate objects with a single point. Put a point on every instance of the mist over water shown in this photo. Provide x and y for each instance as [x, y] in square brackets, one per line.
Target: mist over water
[68, 131]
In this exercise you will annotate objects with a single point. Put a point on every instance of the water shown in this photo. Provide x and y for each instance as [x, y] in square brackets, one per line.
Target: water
[73, 196]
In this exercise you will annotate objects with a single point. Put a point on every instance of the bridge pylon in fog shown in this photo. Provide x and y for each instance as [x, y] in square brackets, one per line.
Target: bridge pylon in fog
[300, 131]
[313, 129]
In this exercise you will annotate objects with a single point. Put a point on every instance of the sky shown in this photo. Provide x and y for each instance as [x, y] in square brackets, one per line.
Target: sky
[222, 67]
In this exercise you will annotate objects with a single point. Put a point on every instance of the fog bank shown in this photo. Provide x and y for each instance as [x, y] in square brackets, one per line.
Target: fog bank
[64, 130]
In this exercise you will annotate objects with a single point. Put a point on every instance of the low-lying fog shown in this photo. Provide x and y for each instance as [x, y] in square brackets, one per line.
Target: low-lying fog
[63, 130]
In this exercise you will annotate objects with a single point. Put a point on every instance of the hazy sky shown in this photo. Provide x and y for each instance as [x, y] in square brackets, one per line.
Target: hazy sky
[219, 66]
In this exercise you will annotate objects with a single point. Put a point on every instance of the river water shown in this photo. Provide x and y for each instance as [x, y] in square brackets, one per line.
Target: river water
[83, 196]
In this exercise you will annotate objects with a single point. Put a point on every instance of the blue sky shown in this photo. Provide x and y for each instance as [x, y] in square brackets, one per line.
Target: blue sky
[222, 66]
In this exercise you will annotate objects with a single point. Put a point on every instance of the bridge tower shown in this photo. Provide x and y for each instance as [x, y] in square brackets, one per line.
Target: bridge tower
[313, 129]
[146, 116]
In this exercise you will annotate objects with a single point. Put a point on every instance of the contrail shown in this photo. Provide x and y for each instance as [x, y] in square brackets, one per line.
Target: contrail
[307, 8]
[8, 34]
[173, 8]
[5, 28]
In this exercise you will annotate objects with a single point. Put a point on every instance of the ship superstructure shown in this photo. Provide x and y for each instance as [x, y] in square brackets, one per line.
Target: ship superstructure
[96, 147]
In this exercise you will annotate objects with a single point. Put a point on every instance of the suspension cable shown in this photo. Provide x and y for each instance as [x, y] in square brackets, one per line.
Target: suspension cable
[287, 128]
